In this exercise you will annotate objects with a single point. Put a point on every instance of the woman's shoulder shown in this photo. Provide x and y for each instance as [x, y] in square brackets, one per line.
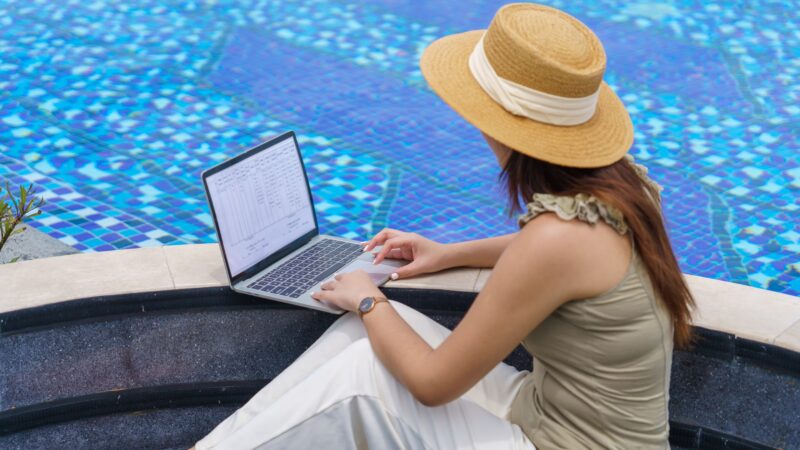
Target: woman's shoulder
[588, 239]
[576, 238]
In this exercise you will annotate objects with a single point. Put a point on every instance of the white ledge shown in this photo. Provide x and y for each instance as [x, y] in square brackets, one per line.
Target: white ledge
[744, 311]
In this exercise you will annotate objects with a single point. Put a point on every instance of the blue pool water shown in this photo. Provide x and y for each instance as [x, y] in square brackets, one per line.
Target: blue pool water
[112, 109]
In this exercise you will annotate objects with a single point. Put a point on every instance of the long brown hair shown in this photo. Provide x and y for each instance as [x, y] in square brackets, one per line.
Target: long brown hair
[619, 186]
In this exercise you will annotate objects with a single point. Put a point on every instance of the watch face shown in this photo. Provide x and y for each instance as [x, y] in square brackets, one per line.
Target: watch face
[366, 304]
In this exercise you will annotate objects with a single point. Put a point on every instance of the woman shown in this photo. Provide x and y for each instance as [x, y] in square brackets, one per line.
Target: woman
[589, 284]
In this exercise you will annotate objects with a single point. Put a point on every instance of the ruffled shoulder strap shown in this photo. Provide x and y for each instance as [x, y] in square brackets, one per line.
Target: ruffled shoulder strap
[584, 207]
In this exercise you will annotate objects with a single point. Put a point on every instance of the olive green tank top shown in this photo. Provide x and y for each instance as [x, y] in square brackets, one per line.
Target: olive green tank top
[601, 366]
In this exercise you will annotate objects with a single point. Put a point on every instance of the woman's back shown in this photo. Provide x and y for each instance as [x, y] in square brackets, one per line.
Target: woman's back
[601, 369]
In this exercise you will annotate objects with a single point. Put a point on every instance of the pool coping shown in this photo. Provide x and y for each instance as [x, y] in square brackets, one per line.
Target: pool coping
[743, 311]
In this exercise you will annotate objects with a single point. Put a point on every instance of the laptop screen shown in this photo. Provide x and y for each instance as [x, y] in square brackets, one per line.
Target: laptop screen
[262, 204]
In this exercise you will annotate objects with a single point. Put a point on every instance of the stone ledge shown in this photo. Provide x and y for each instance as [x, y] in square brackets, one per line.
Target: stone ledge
[48, 280]
[790, 338]
[744, 311]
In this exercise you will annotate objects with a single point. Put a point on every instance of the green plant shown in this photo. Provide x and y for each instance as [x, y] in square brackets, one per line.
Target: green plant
[15, 209]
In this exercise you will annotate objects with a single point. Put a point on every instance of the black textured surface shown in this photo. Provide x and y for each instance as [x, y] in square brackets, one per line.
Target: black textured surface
[177, 428]
[140, 401]
[150, 350]
[736, 397]
[98, 309]
[102, 308]
[219, 393]
[685, 436]
[156, 349]
[714, 343]
[770, 356]
[735, 386]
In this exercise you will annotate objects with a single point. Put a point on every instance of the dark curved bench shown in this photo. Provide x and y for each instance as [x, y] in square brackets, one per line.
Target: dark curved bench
[160, 369]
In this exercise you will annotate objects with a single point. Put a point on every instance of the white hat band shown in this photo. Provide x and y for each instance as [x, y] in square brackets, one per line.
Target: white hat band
[526, 102]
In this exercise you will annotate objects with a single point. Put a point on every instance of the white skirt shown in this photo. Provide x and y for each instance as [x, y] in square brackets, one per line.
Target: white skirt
[339, 395]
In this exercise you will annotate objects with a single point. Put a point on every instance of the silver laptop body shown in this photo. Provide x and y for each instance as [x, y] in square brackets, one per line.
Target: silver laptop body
[267, 228]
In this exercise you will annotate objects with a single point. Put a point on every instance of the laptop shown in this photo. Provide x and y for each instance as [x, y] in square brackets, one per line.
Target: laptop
[264, 215]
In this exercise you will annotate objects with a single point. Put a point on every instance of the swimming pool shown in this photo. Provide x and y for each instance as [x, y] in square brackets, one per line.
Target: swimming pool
[114, 108]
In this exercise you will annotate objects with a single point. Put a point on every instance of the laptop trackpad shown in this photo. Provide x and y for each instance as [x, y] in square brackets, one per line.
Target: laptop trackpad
[379, 273]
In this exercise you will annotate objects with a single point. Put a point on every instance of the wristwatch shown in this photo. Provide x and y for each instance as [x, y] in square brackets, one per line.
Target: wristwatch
[368, 304]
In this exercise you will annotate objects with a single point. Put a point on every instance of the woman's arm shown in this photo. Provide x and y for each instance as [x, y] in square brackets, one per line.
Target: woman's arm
[427, 256]
[525, 287]
[478, 253]
[547, 264]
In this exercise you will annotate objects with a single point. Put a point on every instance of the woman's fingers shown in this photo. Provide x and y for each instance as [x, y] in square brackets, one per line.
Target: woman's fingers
[395, 253]
[376, 240]
[409, 270]
[380, 238]
[322, 295]
[395, 243]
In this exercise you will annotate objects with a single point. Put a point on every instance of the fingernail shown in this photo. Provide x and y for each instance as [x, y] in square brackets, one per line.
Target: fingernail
[394, 276]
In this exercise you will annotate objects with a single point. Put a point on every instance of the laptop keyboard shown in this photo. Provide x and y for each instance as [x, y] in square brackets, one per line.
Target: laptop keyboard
[309, 267]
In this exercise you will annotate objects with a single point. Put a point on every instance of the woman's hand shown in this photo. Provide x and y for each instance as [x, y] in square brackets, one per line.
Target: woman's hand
[425, 255]
[347, 290]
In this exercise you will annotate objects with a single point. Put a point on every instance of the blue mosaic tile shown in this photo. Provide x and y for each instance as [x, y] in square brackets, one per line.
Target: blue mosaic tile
[112, 109]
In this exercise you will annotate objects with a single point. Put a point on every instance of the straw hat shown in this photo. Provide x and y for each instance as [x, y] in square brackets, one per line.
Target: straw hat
[533, 81]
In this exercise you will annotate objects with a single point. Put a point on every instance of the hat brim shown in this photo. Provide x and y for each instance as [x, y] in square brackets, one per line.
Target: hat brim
[601, 141]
